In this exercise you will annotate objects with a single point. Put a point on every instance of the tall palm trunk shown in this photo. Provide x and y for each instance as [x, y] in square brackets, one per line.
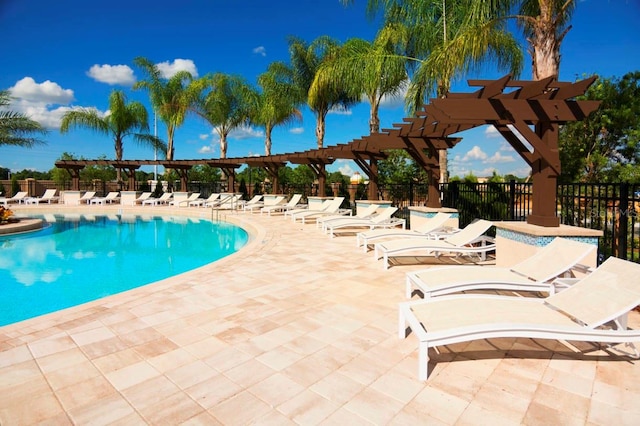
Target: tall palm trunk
[321, 120]
[545, 48]
[374, 120]
[223, 146]
[267, 139]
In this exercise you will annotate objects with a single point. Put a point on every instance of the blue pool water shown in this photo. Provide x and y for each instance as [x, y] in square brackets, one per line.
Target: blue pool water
[78, 259]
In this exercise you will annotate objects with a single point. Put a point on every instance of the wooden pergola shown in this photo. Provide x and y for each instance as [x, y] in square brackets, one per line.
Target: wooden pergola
[524, 112]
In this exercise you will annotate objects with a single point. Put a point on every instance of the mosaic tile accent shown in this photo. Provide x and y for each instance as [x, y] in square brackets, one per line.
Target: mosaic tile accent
[539, 241]
[429, 215]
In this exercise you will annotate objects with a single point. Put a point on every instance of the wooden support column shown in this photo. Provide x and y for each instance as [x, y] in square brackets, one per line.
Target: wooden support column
[545, 179]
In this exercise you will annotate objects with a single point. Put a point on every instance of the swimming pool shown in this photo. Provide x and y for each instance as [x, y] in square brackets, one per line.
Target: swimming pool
[76, 259]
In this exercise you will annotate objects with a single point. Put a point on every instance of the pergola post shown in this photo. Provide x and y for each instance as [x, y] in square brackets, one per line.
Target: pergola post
[544, 179]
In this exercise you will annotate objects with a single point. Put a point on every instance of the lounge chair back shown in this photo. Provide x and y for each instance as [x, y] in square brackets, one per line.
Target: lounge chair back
[469, 233]
[367, 211]
[609, 292]
[384, 215]
[255, 199]
[49, 193]
[333, 205]
[433, 224]
[19, 195]
[295, 199]
[112, 195]
[88, 195]
[552, 260]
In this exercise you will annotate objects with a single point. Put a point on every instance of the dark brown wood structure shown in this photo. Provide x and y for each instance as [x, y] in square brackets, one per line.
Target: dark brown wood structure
[526, 113]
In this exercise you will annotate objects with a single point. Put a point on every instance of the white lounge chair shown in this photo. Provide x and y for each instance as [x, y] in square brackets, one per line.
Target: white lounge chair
[331, 207]
[144, 196]
[537, 273]
[154, 201]
[18, 197]
[111, 197]
[433, 227]
[383, 219]
[192, 197]
[366, 212]
[201, 202]
[466, 242]
[49, 197]
[292, 204]
[594, 309]
[226, 202]
[87, 197]
[254, 203]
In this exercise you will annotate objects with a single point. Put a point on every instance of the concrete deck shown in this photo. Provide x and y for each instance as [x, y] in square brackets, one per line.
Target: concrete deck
[297, 328]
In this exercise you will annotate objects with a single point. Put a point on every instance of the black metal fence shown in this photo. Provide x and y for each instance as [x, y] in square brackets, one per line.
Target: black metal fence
[611, 208]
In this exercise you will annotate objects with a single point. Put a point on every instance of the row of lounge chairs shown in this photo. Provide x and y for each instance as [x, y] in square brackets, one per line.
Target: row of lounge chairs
[582, 303]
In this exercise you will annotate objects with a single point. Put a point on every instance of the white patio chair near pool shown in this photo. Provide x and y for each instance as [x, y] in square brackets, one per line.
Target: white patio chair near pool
[467, 242]
[383, 219]
[594, 309]
[434, 227]
[19, 197]
[87, 197]
[281, 206]
[536, 273]
[154, 201]
[111, 197]
[48, 197]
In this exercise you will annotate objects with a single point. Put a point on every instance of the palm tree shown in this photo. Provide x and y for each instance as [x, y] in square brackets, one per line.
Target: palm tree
[15, 127]
[171, 98]
[123, 119]
[374, 79]
[545, 23]
[425, 30]
[278, 101]
[226, 102]
[306, 59]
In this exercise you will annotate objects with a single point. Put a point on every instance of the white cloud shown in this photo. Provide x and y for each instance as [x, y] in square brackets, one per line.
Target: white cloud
[346, 170]
[169, 69]
[297, 130]
[499, 158]
[338, 110]
[204, 136]
[112, 74]
[35, 100]
[476, 153]
[260, 50]
[47, 92]
[492, 132]
[246, 132]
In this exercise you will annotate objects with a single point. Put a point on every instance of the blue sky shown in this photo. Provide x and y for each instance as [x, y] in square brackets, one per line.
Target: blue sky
[73, 53]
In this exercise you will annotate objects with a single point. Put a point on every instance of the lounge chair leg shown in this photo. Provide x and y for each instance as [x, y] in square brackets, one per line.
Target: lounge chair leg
[402, 326]
[423, 361]
[409, 289]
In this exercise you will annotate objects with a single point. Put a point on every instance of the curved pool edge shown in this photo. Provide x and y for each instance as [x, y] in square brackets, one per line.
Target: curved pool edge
[257, 236]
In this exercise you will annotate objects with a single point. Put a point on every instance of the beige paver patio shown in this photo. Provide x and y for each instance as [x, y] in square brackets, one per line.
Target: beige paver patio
[296, 328]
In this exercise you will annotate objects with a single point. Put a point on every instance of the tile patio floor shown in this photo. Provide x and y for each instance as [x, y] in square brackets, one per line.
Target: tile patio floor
[297, 328]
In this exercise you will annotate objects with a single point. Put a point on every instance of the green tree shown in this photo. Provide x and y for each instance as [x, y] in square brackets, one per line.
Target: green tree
[306, 60]
[381, 74]
[278, 101]
[227, 102]
[399, 168]
[17, 128]
[606, 145]
[438, 46]
[171, 98]
[122, 120]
